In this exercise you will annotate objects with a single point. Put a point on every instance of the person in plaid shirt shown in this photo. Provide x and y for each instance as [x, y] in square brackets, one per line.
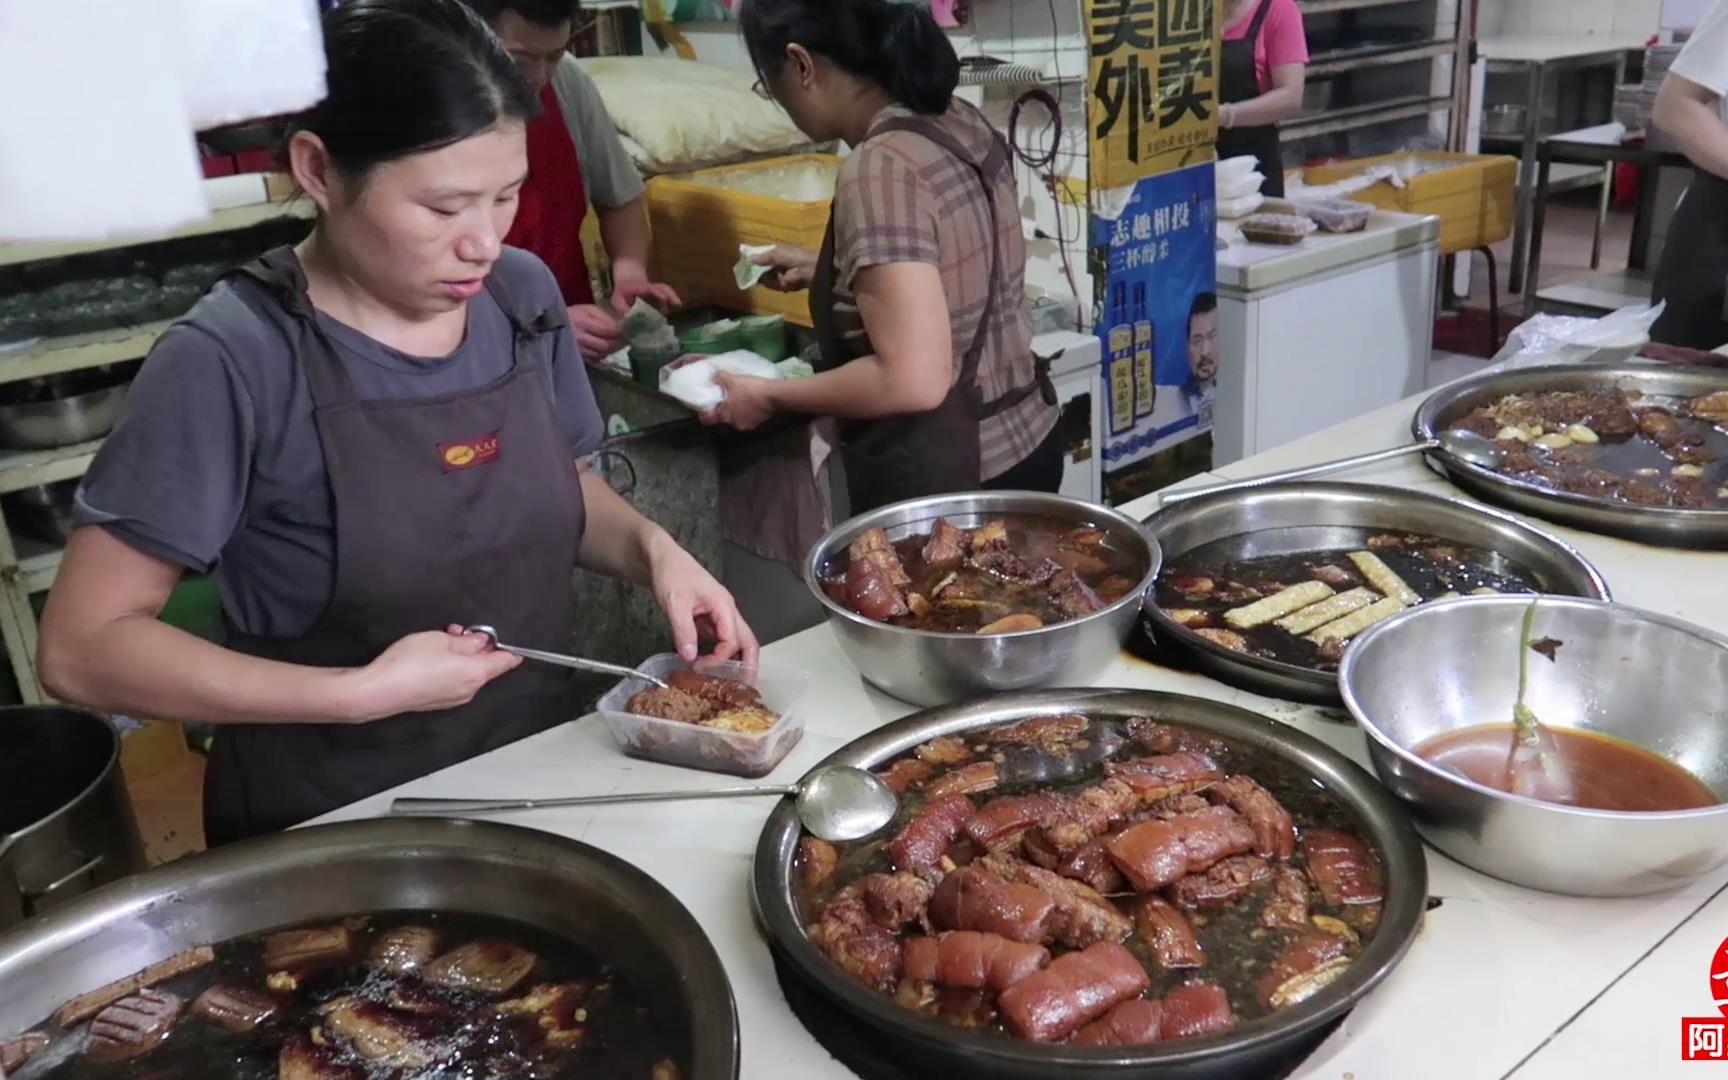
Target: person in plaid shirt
[918, 294]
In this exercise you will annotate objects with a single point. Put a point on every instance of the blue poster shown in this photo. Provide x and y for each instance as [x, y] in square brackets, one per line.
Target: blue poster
[1158, 314]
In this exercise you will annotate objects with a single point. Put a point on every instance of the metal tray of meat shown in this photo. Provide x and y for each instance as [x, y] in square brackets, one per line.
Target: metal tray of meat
[1302, 517]
[1264, 1045]
[1667, 525]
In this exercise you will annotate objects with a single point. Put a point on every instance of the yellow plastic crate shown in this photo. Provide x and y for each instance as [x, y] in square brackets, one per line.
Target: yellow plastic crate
[698, 225]
[1473, 198]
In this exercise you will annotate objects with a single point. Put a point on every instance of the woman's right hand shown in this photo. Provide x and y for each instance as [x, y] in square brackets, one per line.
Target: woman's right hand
[425, 672]
[794, 268]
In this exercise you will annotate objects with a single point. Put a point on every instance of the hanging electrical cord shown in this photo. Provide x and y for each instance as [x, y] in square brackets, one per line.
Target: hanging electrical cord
[1042, 161]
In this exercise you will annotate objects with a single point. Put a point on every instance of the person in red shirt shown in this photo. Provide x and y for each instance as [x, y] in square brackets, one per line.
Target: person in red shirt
[575, 157]
[1264, 60]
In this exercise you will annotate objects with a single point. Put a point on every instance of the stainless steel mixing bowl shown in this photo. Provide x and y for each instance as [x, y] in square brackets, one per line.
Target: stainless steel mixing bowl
[927, 668]
[1652, 680]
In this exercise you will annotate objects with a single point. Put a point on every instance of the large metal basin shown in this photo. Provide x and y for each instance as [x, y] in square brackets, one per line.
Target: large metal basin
[574, 891]
[923, 1047]
[927, 668]
[1652, 680]
[1326, 515]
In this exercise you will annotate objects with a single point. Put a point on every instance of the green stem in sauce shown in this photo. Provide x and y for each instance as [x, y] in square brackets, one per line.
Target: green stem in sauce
[1529, 727]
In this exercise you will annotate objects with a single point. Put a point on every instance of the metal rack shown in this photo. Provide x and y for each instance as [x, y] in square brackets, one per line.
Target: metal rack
[1416, 95]
[28, 567]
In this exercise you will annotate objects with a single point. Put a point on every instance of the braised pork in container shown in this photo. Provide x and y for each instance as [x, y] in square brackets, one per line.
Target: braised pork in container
[946, 598]
[1207, 890]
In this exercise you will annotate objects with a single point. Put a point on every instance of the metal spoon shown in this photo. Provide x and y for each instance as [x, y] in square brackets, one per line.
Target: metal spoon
[561, 660]
[835, 803]
[1466, 446]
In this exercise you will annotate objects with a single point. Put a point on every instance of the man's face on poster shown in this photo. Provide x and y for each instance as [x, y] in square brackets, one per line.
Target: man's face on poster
[1203, 345]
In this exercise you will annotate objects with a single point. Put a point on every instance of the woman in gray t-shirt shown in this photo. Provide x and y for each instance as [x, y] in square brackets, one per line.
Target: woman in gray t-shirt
[371, 440]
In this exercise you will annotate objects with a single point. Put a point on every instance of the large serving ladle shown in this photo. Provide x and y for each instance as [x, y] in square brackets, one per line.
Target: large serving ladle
[1465, 446]
[836, 802]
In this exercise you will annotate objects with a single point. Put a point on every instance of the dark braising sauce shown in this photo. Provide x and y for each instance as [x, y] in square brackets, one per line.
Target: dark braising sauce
[1613, 445]
[1239, 949]
[1200, 587]
[468, 1034]
[1602, 772]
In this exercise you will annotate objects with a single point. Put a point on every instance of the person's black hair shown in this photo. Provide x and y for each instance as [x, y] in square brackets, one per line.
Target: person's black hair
[1203, 302]
[548, 13]
[898, 46]
[406, 76]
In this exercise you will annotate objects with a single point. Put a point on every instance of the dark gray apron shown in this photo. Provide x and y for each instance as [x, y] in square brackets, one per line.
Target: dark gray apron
[936, 452]
[1237, 82]
[431, 529]
[1692, 276]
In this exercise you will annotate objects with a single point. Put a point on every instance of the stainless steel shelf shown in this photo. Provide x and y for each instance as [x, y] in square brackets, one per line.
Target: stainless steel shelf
[52, 356]
[1360, 116]
[22, 469]
[1341, 61]
[228, 219]
[1322, 7]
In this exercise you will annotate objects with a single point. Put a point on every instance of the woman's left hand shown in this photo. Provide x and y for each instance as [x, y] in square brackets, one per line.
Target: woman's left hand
[697, 606]
[747, 404]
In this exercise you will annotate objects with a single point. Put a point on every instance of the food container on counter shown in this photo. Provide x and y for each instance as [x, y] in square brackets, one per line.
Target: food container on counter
[693, 746]
[1285, 229]
[1335, 215]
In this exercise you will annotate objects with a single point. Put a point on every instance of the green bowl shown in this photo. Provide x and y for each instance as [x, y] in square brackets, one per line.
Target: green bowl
[707, 341]
[645, 365]
[765, 335]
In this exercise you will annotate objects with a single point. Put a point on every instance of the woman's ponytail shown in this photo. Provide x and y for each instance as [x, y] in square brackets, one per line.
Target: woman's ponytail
[923, 68]
[897, 45]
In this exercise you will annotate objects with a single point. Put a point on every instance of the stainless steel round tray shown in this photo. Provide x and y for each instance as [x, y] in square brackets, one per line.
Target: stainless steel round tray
[924, 1047]
[1315, 507]
[566, 888]
[1650, 524]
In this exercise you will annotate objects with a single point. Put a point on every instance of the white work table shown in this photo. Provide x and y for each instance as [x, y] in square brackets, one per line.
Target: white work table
[1500, 982]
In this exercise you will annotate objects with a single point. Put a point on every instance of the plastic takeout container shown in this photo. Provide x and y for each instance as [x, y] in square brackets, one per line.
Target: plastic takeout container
[1275, 228]
[1335, 215]
[692, 746]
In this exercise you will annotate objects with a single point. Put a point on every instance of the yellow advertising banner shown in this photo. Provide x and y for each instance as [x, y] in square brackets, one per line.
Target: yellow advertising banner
[1153, 102]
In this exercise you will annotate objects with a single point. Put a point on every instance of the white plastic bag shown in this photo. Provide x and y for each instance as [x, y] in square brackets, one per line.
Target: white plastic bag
[1567, 339]
[1240, 188]
[694, 385]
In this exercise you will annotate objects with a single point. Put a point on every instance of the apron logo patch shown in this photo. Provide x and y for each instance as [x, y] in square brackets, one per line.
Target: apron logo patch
[469, 453]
